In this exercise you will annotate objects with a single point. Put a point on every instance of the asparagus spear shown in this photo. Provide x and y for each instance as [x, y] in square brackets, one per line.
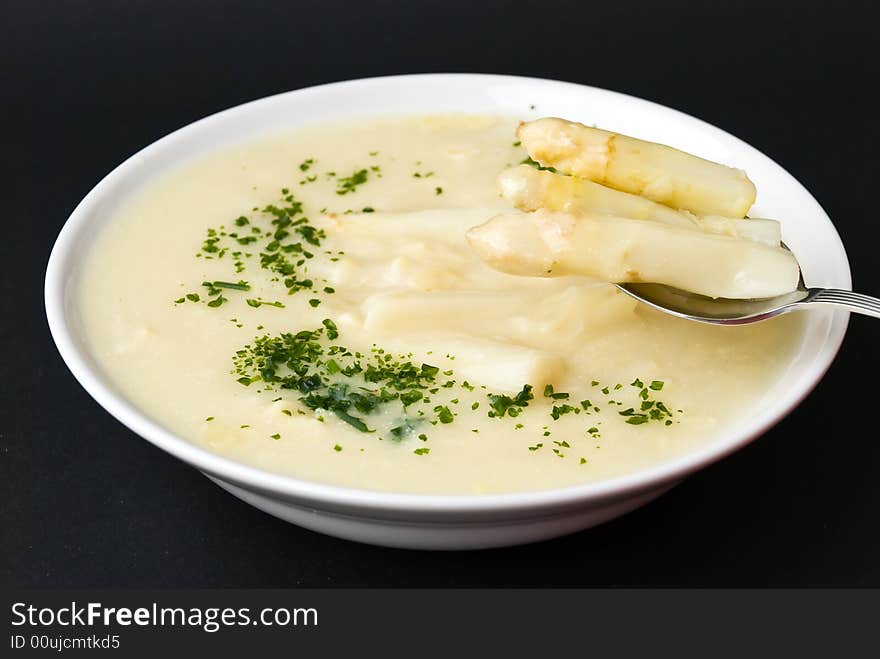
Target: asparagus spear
[539, 319]
[500, 365]
[547, 243]
[660, 173]
[529, 189]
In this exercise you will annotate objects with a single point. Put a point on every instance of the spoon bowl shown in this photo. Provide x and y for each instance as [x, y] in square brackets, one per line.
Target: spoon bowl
[725, 311]
[717, 311]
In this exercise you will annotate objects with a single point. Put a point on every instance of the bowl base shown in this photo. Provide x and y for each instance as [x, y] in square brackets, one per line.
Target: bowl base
[414, 534]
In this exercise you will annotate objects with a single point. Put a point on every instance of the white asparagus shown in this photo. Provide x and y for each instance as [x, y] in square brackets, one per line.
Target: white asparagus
[436, 225]
[547, 243]
[500, 366]
[443, 310]
[504, 366]
[424, 250]
[658, 172]
[535, 319]
[759, 230]
[529, 189]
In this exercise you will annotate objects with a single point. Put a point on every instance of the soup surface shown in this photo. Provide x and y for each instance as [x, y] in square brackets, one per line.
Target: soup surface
[308, 304]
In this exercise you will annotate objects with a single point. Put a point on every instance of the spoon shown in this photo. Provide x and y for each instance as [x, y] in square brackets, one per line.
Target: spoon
[723, 311]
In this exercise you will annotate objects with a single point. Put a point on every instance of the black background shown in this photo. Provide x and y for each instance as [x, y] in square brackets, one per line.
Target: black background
[84, 502]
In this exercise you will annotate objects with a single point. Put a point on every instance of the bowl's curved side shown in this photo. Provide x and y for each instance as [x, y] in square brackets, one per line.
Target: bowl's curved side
[443, 92]
[457, 534]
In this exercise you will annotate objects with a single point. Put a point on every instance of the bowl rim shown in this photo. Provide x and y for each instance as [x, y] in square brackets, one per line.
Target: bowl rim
[324, 495]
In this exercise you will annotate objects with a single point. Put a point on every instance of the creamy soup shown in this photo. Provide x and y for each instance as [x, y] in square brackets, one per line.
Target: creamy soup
[308, 304]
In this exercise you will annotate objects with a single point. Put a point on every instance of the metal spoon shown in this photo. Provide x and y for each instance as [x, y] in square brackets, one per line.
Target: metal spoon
[722, 311]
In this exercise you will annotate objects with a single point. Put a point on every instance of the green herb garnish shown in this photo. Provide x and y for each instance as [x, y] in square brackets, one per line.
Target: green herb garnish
[533, 163]
[350, 183]
[549, 393]
[240, 286]
[502, 404]
[330, 377]
[444, 414]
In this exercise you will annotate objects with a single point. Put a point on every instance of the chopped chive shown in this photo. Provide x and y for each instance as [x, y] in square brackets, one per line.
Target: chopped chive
[239, 286]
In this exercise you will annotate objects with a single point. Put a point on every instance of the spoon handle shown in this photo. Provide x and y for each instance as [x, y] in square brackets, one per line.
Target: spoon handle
[863, 304]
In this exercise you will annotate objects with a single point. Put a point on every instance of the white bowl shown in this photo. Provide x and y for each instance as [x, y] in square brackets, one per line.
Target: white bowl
[454, 522]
